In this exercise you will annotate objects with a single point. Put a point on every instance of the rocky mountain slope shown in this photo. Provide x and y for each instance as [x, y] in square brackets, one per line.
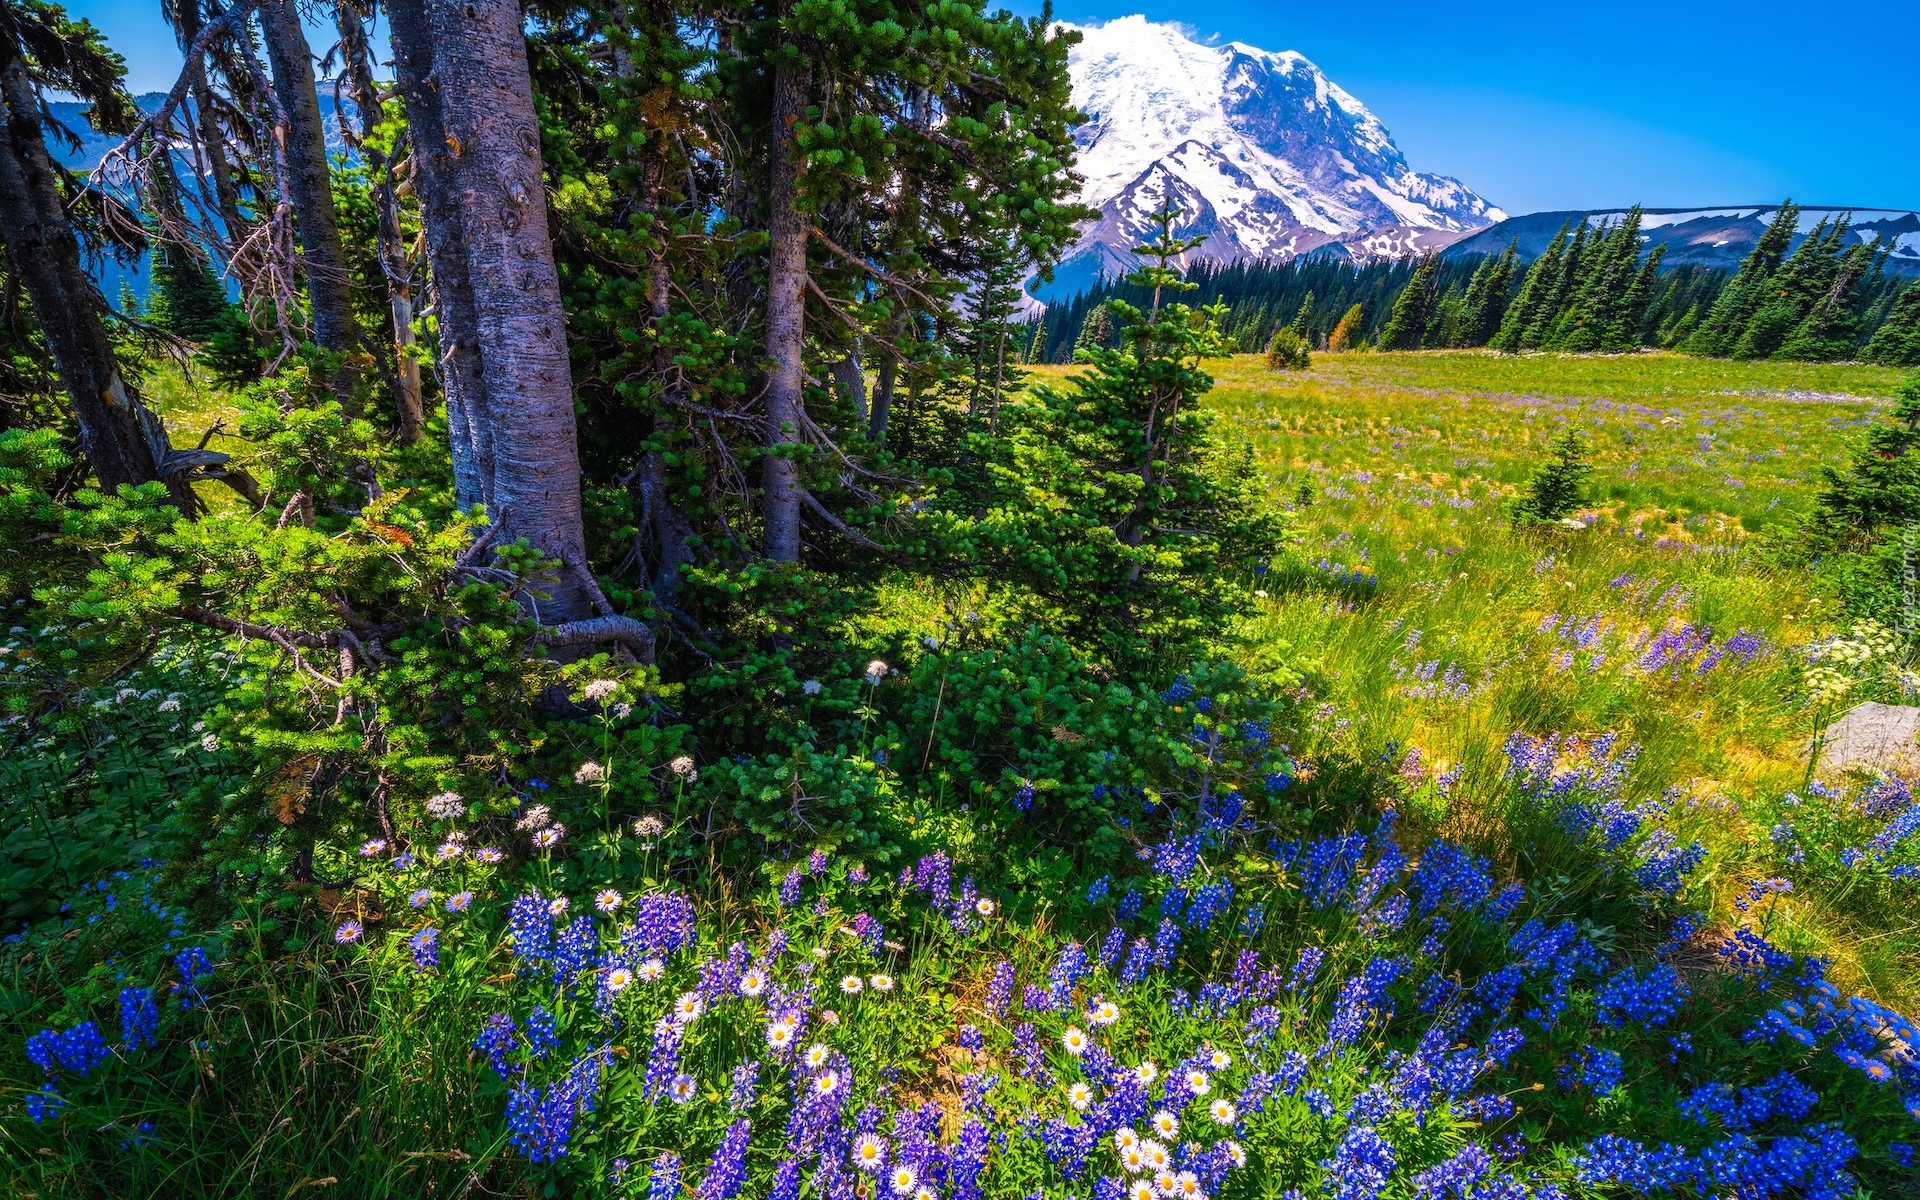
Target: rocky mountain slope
[1261, 151]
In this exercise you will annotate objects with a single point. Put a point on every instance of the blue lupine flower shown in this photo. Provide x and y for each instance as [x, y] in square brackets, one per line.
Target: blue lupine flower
[76, 1051]
[1360, 1166]
[542, 1032]
[728, 1170]
[497, 1041]
[139, 1019]
[193, 964]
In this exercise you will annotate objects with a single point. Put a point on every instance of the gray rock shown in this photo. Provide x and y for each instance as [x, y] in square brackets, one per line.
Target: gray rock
[1873, 737]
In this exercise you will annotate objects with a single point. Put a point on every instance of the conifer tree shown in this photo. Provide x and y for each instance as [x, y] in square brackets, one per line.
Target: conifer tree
[1534, 292]
[1096, 332]
[1302, 321]
[1897, 342]
[1604, 312]
[1558, 486]
[1574, 266]
[1828, 329]
[1413, 309]
[187, 299]
[1288, 350]
[1486, 298]
[1880, 486]
[1792, 292]
[1347, 332]
[1727, 320]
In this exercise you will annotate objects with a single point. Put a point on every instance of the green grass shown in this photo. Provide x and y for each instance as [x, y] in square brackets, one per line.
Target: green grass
[1410, 459]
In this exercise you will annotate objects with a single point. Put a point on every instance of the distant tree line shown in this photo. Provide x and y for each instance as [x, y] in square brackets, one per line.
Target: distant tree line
[1831, 298]
[1592, 289]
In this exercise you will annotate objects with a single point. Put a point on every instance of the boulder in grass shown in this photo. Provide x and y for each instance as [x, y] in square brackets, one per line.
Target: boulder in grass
[1873, 737]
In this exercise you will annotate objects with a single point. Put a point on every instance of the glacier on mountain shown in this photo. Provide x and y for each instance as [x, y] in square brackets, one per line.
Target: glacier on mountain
[1260, 151]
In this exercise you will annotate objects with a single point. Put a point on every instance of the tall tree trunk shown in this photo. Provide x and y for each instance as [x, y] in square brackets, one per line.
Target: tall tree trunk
[660, 513]
[123, 440]
[310, 181]
[486, 102]
[187, 24]
[786, 317]
[393, 252]
[469, 415]
[853, 382]
[882, 400]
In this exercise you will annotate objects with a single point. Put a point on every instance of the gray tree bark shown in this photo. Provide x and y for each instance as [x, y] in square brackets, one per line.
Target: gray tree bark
[786, 319]
[882, 400]
[311, 184]
[853, 382]
[486, 104]
[187, 24]
[123, 440]
[672, 532]
[393, 252]
[469, 415]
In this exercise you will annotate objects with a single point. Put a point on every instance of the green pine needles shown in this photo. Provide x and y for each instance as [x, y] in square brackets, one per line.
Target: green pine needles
[1558, 486]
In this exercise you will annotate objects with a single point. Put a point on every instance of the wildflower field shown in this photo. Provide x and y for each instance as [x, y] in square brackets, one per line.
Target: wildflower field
[1484, 862]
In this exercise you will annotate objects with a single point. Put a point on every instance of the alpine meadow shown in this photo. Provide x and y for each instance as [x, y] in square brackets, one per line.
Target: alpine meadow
[858, 599]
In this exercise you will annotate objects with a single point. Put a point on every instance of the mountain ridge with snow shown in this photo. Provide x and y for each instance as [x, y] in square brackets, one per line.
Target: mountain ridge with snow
[1264, 155]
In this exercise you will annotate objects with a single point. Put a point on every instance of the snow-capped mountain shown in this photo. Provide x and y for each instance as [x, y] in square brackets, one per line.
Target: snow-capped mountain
[1261, 151]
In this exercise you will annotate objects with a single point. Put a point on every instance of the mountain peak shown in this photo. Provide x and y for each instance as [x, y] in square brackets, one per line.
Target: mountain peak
[1264, 155]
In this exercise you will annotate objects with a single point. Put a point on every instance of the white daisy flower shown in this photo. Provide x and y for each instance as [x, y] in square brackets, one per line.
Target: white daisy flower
[1223, 1112]
[1080, 1096]
[1074, 1041]
[869, 1153]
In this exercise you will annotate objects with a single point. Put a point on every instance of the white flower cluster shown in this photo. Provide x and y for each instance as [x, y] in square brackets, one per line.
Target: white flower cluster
[444, 806]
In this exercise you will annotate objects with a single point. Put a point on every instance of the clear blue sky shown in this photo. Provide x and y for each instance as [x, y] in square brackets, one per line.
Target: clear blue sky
[1548, 106]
